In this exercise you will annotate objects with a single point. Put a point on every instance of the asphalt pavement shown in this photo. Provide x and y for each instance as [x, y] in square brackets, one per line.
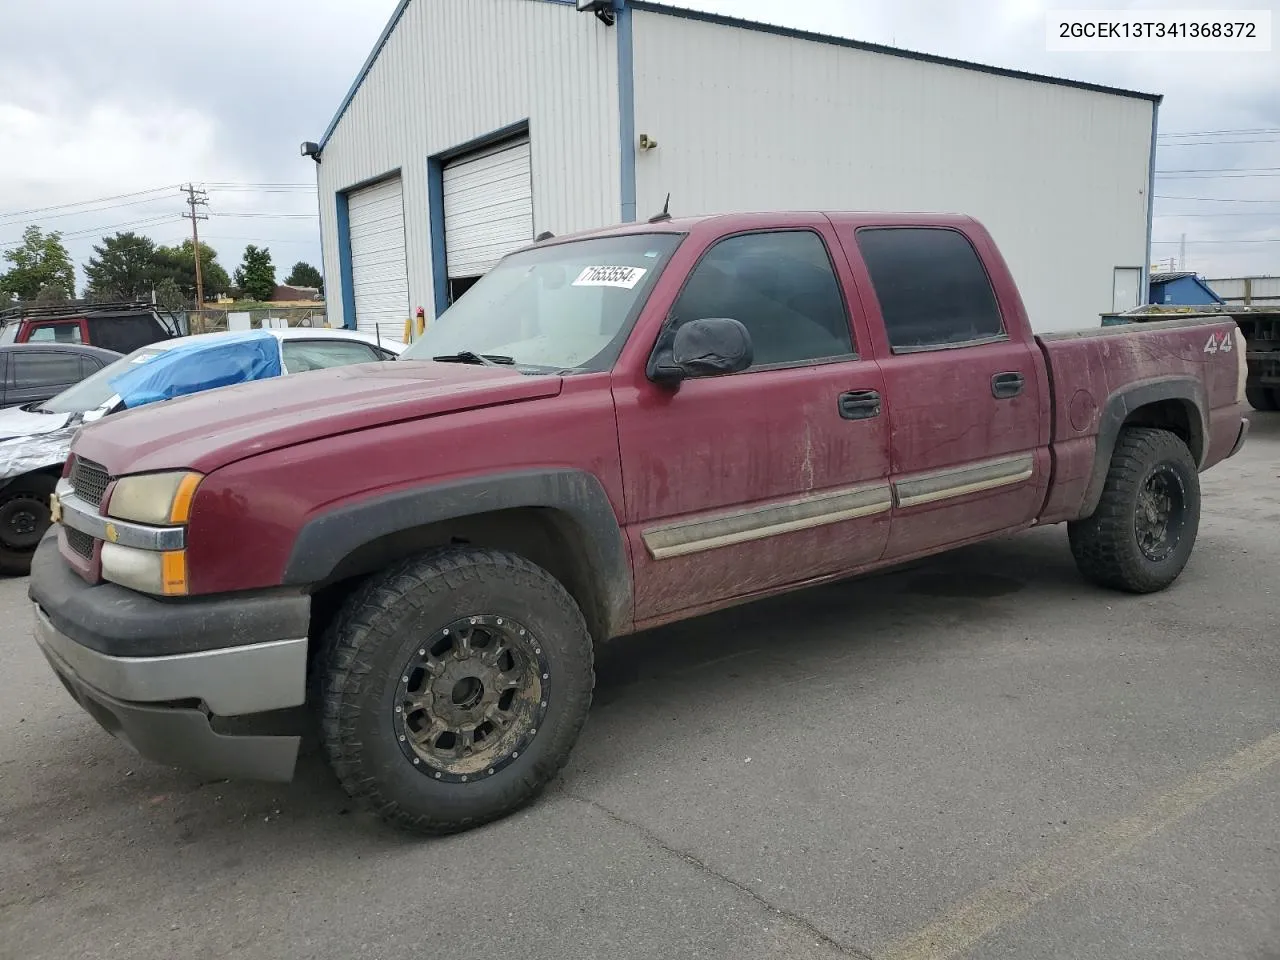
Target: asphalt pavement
[981, 756]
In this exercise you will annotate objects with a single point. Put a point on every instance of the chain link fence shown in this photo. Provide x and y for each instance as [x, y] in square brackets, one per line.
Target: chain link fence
[216, 320]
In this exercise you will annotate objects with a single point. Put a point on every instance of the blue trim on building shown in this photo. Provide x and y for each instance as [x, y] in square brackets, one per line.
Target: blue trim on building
[435, 223]
[1151, 199]
[345, 277]
[626, 109]
[758, 27]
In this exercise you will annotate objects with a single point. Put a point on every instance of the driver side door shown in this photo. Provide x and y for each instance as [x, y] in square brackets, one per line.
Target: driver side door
[740, 484]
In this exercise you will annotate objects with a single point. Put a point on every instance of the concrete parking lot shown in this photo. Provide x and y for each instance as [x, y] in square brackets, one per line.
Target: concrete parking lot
[981, 756]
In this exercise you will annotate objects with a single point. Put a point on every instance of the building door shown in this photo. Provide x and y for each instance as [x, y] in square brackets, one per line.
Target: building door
[379, 276]
[1126, 288]
[488, 210]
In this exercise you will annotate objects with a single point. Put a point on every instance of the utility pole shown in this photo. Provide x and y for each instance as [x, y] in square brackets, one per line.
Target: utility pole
[1182, 253]
[196, 198]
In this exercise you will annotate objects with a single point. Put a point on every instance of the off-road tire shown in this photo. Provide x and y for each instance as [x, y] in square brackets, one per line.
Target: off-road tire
[377, 632]
[1105, 545]
[33, 491]
[1265, 399]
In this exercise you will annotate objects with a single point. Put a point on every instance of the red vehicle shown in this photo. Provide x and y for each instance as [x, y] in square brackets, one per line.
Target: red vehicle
[122, 327]
[608, 432]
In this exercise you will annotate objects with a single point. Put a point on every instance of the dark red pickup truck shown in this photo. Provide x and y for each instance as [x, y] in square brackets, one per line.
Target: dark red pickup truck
[608, 432]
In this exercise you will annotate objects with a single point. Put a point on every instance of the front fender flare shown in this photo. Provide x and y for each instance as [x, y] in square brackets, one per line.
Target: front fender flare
[326, 540]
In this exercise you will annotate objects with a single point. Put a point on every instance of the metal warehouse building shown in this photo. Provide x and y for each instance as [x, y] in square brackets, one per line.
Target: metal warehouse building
[475, 125]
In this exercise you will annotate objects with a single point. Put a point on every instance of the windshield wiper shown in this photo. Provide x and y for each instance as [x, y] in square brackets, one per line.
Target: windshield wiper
[481, 359]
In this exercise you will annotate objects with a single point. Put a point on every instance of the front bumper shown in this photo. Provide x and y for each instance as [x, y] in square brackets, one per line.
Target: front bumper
[175, 707]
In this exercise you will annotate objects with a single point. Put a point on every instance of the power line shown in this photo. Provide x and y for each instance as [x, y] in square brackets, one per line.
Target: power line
[1219, 170]
[1261, 213]
[80, 213]
[102, 230]
[1269, 240]
[1170, 196]
[1239, 131]
[82, 203]
[269, 216]
[1215, 143]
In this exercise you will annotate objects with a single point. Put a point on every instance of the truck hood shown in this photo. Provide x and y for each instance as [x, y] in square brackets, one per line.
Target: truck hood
[210, 430]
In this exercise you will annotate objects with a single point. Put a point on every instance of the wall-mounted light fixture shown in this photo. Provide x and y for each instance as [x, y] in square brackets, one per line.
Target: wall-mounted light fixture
[605, 10]
[647, 142]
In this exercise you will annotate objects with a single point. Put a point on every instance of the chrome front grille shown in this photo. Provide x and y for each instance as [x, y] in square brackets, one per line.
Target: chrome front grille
[79, 542]
[89, 481]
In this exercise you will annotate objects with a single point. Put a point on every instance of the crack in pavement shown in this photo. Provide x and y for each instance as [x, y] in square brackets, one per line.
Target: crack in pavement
[794, 918]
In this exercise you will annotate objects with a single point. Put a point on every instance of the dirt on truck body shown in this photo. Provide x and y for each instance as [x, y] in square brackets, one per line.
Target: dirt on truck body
[610, 431]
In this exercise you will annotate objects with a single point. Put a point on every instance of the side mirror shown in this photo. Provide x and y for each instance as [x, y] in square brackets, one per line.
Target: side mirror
[709, 347]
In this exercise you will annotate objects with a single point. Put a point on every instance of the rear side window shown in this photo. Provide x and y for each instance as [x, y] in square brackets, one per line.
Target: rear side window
[932, 288]
[37, 369]
[55, 333]
[303, 355]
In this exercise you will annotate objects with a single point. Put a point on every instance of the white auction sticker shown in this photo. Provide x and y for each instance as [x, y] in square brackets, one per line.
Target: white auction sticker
[625, 277]
[1163, 31]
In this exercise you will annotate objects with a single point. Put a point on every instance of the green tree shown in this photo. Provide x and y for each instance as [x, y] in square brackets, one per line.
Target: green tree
[256, 275]
[305, 275]
[179, 265]
[168, 295]
[52, 293]
[123, 267]
[39, 261]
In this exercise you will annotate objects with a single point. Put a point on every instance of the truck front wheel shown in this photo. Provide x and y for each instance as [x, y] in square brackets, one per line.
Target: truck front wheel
[454, 686]
[1140, 536]
[24, 518]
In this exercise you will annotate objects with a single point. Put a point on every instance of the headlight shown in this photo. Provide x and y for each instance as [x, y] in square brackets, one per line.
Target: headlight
[159, 498]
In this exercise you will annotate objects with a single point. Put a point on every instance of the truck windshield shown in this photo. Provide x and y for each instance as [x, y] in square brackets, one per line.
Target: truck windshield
[92, 392]
[564, 307]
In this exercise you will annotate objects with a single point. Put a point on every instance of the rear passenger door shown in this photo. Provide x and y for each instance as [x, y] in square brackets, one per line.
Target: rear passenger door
[963, 395]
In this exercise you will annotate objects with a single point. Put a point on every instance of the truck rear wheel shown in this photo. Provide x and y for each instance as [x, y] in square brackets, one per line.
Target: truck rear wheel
[454, 687]
[1140, 536]
[1263, 398]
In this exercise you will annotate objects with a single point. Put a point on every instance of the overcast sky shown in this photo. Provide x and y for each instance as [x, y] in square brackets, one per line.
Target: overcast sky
[103, 99]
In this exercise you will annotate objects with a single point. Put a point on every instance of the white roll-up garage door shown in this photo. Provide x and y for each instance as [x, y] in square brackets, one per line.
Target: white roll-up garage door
[488, 208]
[380, 280]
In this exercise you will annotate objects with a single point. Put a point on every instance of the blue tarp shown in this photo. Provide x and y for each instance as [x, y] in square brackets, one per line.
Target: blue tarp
[200, 365]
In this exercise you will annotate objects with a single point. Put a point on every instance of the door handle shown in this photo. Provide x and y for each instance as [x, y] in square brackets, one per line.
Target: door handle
[859, 404]
[1007, 385]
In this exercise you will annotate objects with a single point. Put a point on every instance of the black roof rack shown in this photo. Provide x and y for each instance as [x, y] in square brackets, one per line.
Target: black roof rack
[69, 309]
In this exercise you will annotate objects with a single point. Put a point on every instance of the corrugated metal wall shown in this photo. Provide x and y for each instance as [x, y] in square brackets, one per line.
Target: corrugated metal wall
[752, 121]
[1256, 291]
[455, 70]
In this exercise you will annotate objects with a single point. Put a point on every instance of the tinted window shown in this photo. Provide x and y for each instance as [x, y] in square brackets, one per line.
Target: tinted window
[781, 287]
[123, 334]
[55, 333]
[89, 365]
[932, 288]
[37, 369]
[303, 355]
